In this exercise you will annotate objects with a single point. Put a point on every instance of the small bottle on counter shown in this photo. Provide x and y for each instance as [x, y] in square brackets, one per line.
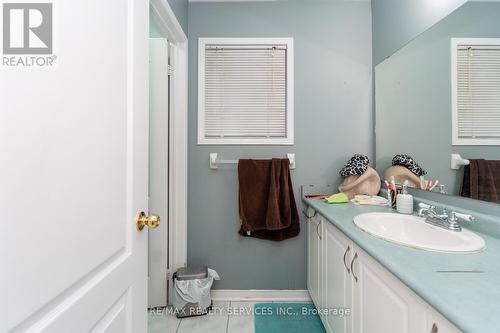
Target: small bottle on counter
[442, 189]
[404, 201]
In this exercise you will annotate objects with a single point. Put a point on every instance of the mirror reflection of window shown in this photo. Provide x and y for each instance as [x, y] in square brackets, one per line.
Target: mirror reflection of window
[438, 96]
[476, 91]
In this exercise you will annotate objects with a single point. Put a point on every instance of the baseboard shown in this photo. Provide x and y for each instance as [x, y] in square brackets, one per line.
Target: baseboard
[261, 295]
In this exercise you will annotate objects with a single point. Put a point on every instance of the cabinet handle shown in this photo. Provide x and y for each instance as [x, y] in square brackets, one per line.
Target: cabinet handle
[317, 229]
[352, 269]
[345, 254]
[434, 328]
[309, 217]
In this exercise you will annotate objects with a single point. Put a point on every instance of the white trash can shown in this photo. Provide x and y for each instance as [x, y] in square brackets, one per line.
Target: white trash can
[192, 291]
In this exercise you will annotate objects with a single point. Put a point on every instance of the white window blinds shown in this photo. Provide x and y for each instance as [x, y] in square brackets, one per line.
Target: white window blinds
[478, 94]
[245, 93]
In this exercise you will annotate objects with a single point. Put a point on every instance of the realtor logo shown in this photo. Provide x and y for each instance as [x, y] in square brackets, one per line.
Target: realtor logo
[27, 28]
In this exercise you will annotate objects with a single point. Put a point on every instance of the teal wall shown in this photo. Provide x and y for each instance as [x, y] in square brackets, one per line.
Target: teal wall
[154, 30]
[180, 9]
[332, 122]
[413, 95]
[396, 22]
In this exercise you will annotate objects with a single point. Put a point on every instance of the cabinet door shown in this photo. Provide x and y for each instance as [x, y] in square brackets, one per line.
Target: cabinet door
[313, 258]
[381, 302]
[436, 323]
[337, 282]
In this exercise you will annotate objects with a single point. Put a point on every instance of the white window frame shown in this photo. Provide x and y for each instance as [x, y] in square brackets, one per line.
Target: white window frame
[289, 140]
[455, 42]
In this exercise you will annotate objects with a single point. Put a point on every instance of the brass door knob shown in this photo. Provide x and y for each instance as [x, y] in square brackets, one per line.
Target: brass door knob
[152, 221]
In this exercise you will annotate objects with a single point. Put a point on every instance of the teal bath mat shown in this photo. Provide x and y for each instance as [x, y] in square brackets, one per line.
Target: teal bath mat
[287, 318]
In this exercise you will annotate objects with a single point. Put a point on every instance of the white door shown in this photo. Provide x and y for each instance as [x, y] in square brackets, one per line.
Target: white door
[337, 282]
[158, 169]
[73, 172]
[313, 258]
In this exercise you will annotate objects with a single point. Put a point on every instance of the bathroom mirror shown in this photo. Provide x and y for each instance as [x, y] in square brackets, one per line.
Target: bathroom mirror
[440, 95]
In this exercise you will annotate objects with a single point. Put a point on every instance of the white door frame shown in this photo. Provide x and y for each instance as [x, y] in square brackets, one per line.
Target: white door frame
[177, 233]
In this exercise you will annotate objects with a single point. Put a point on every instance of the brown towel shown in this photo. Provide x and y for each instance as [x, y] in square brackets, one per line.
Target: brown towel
[482, 180]
[267, 204]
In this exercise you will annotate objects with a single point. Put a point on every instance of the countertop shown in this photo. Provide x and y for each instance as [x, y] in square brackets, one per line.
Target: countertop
[471, 301]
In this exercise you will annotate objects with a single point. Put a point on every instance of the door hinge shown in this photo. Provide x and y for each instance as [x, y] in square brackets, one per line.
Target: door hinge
[170, 70]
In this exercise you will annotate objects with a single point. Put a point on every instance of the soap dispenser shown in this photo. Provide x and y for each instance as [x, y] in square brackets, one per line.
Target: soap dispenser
[404, 201]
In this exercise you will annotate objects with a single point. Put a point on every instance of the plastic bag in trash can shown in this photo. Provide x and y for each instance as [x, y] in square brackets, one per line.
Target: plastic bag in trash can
[194, 291]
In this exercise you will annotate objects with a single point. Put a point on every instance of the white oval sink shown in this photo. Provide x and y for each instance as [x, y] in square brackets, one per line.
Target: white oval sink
[412, 231]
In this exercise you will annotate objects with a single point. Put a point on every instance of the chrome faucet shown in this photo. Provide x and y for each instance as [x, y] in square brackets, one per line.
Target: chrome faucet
[446, 220]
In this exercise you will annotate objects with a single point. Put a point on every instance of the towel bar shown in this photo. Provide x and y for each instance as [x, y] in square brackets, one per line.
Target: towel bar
[457, 161]
[214, 161]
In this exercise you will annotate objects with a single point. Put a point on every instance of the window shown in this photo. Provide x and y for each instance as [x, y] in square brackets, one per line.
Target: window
[245, 91]
[476, 91]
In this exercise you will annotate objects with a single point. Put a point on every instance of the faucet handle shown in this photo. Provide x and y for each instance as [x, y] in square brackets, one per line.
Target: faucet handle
[424, 205]
[425, 208]
[465, 217]
[430, 208]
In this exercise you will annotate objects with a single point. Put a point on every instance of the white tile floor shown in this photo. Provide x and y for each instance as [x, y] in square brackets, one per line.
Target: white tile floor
[236, 318]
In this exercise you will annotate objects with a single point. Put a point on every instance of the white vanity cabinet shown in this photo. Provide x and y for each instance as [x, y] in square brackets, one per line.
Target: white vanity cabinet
[381, 303]
[327, 280]
[436, 323]
[336, 283]
[342, 276]
[314, 258]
